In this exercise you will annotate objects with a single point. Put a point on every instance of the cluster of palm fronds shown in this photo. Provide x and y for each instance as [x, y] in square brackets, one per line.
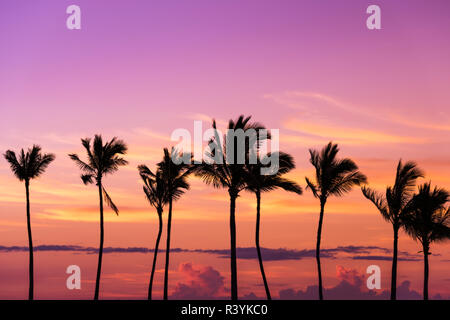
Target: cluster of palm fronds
[423, 215]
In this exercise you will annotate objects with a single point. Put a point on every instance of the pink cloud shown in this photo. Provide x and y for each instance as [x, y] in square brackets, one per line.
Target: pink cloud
[351, 276]
[352, 287]
[201, 282]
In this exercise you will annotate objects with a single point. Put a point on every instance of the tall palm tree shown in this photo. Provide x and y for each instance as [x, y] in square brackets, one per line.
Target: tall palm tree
[229, 174]
[155, 190]
[428, 220]
[393, 204]
[258, 182]
[175, 174]
[334, 177]
[102, 159]
[29, 165]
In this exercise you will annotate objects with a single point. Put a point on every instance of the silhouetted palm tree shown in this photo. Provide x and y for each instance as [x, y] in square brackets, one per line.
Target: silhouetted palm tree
[175, 173]
[428, 220]
[229, 174]
[155, 190]
[28, 166]
[102, 159]
[334, 177]
[393, 204]
[258, 182]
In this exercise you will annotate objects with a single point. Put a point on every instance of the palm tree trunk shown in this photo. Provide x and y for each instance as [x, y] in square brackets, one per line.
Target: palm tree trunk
[258, 249]
[30, 245]
[234, 289]
[425, 271]
[394, 265]
[319, 235]
[100, 252]
[166, 270]
[155, 254]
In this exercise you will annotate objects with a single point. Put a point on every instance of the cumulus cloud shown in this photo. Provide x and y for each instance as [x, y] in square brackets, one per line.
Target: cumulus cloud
[205, 282]
[351, 276]
[200, 282]
[351, 287]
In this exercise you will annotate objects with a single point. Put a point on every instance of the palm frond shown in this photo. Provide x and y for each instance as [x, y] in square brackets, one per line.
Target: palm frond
[43, 161]
[344, 184]
[406, 176]
[427, 219]
[86, 143]
[286, 162]
[314, 189]
[144, 170]
[378, 200]
[155, 187]
[102, 159]
[109, 201]
[87, 178]
[81, 164]
[288, 185]
[14, 164]
[213, 175]
[31, 164]
[405, 182]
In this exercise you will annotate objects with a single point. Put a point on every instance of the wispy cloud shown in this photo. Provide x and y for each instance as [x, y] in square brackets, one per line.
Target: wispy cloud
[348, 135]
[307, 101]
[245, 253]
[206, 118]
[384, 258]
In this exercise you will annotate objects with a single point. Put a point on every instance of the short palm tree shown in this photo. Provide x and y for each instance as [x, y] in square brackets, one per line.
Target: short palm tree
[29, 165]
[229, 174]
[428, 220]
[393, 204]
[334, 177]
[155, 190]
[102, 159]
[175, 173]
[258, 182]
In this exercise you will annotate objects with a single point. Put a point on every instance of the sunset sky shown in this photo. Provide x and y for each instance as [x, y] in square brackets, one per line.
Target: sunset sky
[139, 70]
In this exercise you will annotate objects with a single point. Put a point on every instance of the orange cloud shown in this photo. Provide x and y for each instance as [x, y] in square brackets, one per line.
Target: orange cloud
[349, 135]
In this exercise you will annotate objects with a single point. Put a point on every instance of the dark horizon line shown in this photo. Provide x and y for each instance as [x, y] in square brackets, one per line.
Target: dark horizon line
[244, 253]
